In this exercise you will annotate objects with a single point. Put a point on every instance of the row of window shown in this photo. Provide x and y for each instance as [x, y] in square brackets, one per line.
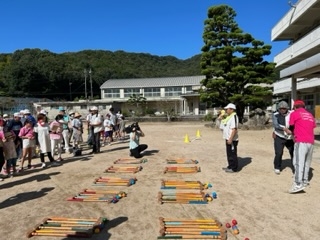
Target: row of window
[147, 92]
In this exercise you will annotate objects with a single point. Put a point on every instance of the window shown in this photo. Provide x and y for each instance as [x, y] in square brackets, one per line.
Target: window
[309, 101]
[130, 91]
[173, 91]
[189, 89]
[152, 92]
[112, 93]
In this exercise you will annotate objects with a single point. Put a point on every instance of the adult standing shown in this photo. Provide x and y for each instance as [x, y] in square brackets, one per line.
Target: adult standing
[280, 121]
[96, 124]
[56, 136]
[42, 130]
[302, 124]
[77, 131]
[65, 129]
[230, 135]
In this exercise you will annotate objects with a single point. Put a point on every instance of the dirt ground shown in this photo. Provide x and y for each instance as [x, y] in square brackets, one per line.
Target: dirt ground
[256, 197]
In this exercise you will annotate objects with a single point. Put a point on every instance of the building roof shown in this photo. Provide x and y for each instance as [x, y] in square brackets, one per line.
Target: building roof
[153, 82]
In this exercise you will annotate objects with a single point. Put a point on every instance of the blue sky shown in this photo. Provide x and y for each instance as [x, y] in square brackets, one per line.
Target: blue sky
[157, 27]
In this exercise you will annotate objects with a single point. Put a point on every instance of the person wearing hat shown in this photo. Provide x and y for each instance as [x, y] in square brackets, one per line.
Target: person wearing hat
[230, 135]
[280, 121]
[302, 125]
[27, 115]
[77, 130]
[15, 125]
[65, 129]
[96, 125]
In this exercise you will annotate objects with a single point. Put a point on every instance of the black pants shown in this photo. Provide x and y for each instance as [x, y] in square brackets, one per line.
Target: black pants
[1, 158]
[49, 156]
[232, 155]
[96, 142]
[279, 144]
[136, 152]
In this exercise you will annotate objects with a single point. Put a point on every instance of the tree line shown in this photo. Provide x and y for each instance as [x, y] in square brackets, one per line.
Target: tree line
[44, 74]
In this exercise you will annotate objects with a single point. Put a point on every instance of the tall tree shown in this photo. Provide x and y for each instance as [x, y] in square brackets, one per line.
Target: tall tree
[233, 63]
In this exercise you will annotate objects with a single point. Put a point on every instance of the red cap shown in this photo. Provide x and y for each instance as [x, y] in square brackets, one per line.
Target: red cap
[298, 102]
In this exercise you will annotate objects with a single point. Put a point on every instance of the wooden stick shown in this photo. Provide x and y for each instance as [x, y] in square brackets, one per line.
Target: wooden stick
[177, 220]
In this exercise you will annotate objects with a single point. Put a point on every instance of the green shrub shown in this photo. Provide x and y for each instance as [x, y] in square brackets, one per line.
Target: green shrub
[208, 117]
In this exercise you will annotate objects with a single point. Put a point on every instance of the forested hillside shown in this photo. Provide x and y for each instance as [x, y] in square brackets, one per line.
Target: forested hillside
[41, 73]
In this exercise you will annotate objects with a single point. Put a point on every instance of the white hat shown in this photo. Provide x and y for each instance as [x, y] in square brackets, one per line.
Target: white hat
[26, 111]
[230, 105]
[71, 112]
[94, 108]
[17, 114]
[5, 115]
[44, 112]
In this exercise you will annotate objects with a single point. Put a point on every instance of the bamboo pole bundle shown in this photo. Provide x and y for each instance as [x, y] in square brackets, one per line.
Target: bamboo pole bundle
[182, 169]
[130, 161]
[182, 161]
[172, 228]
[130, 169]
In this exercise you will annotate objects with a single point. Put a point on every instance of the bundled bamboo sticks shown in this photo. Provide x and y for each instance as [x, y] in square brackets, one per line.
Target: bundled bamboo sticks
[183, 197]
[68, 227]
[180, 184]
[182, 169]
[191, 229]
[130, 169]
[182, 161]
[96, 196]
[130, 161]
[114, 181]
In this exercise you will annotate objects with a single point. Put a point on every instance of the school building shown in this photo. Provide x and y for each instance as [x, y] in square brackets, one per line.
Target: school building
[299, 63]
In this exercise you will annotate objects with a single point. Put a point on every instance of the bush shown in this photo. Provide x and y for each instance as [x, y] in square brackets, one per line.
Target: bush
[208, 117]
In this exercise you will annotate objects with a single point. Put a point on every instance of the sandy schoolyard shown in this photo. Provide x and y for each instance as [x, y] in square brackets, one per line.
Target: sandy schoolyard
[255, 196]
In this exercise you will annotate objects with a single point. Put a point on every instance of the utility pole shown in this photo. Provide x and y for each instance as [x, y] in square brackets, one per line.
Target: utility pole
[85, 84]
[70, 92]
[90, 73]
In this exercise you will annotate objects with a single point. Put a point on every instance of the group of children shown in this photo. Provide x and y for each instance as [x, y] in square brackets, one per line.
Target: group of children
[23, 135]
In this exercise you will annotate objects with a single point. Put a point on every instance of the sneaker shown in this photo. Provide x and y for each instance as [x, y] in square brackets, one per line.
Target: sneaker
[229, 171]
[224, 168]
[305, 183]
[43, 165]
[296, 188]
[55, 163]
[277, 171]
[102, 145]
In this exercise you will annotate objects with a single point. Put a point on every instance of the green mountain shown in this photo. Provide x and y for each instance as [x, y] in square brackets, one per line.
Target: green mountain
[41, 73]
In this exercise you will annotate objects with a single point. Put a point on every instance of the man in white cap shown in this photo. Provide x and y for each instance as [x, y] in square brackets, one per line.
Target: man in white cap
[96, 124]
[230, 134]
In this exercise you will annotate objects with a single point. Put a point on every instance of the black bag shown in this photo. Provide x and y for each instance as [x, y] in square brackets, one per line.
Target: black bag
[77, 152]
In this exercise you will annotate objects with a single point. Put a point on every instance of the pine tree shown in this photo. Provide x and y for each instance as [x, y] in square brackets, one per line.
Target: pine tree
[233, 64]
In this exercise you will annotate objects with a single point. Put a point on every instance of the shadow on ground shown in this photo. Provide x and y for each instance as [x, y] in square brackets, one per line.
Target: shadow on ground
[39, 178]
[24, 197]
[243, 161]
[104, 235]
